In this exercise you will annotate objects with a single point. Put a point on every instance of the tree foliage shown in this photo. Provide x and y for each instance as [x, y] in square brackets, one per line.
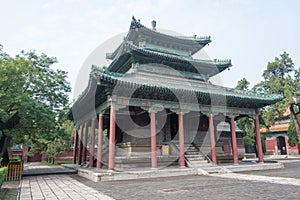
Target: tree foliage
[246, 124]
[243, 84]
[33, 97]
[280, 77]
[293, 137]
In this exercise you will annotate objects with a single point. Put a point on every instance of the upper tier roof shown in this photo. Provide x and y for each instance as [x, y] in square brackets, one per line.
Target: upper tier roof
[139, 35]
[129, 53]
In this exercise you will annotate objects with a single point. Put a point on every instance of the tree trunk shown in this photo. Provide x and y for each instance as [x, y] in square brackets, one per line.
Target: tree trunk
[4, 142]
[294, 117]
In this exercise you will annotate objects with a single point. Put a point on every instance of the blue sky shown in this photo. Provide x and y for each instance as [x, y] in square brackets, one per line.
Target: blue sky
[250, 33]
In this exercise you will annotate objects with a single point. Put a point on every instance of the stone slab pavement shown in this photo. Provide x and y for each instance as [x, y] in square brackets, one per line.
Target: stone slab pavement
[52, 187]
[195, 187]
[268, 184]
[283, 183]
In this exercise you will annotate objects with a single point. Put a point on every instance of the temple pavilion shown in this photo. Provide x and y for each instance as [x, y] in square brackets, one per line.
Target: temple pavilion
[154, 105]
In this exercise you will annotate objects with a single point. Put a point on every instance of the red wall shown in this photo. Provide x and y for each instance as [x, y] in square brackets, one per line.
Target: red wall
[272, 143]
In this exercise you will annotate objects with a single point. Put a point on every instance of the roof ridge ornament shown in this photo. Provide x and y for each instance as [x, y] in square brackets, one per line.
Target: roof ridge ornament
[135, 23]
[153, 23]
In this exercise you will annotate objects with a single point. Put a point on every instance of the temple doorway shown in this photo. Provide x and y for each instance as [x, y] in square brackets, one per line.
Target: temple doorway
[281, 145]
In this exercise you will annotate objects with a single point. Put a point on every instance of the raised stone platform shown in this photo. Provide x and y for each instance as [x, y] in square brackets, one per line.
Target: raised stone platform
[98, 175]
[254, 166]
[143, 161]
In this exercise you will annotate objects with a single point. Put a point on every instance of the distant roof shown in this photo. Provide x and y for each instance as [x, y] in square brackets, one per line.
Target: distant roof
[282, 126]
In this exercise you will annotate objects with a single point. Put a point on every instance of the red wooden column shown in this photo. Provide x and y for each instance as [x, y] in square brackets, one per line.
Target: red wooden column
[181, 140]
[100, 138]
[92, 145]
[258, 141]
[212, 139]
[153, 140]
[286, 145]
[85, 135]
[112, 135]
[80, 145]
[234, 145]
[75, 146]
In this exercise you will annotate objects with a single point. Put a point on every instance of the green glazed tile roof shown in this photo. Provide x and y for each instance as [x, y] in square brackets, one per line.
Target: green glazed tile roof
[203, 90]
[203, 40]
[130, 53]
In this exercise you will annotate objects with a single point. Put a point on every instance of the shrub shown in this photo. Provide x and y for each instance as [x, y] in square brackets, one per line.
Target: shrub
[15, 159]
[2, 175]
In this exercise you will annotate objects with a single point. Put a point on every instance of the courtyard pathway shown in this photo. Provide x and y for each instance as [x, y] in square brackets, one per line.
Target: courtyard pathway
[57, 187]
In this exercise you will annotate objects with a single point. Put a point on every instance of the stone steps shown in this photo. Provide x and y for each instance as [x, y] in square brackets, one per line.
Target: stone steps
[197, 160]
[192, 153]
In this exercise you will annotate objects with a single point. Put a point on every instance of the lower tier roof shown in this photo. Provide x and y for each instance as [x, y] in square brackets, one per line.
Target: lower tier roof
[146, 85]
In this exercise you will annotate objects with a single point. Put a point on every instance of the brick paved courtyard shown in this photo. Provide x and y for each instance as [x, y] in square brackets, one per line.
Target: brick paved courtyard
[194, 187]
[268, 184]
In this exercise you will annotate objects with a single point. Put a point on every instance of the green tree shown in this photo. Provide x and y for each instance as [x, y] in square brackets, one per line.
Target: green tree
[54, 148]
[293, 137]
[242, 84]
[246, 124]
[280, 77]
[33, 99]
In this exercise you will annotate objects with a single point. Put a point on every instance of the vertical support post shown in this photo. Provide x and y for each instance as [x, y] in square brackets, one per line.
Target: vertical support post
[85, 140]
[92, 145]
[234, 143]
[258, 141]
[212, 139]
[286, 145]
[168, 129]
[181, 140]
[153, 140]
[100, 139]
[80, 145]
[75, 146]
[112, 135]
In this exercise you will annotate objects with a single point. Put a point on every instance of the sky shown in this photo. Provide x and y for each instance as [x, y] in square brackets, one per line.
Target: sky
[250, 33]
